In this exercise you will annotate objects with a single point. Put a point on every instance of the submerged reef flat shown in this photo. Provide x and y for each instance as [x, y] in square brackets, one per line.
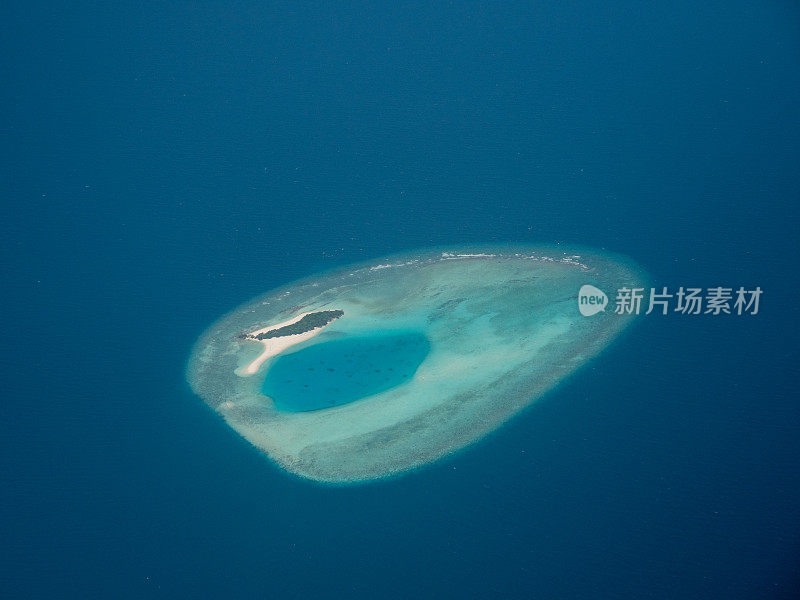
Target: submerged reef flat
[471, 336]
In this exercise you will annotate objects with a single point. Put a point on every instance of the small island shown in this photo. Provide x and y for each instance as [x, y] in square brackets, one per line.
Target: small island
[280, 337]
[307, 323]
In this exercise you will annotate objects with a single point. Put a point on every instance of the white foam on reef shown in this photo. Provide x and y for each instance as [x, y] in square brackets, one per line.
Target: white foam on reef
[504, 328]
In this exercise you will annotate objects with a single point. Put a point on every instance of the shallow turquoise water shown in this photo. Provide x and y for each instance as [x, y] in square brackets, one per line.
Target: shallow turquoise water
[344, 370]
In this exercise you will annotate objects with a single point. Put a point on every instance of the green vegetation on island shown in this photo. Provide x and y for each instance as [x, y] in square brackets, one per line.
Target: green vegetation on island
[307, 323]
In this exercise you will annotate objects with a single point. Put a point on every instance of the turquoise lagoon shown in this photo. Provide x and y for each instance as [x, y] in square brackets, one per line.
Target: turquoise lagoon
[344, 370]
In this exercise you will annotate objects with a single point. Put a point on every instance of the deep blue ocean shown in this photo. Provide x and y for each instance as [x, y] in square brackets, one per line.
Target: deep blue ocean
[165, 162]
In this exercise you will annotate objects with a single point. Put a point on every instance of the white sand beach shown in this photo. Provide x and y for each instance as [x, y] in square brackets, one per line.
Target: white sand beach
[276, 345]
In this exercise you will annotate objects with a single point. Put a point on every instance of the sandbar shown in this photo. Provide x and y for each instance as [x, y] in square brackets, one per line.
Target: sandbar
[275, 345]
